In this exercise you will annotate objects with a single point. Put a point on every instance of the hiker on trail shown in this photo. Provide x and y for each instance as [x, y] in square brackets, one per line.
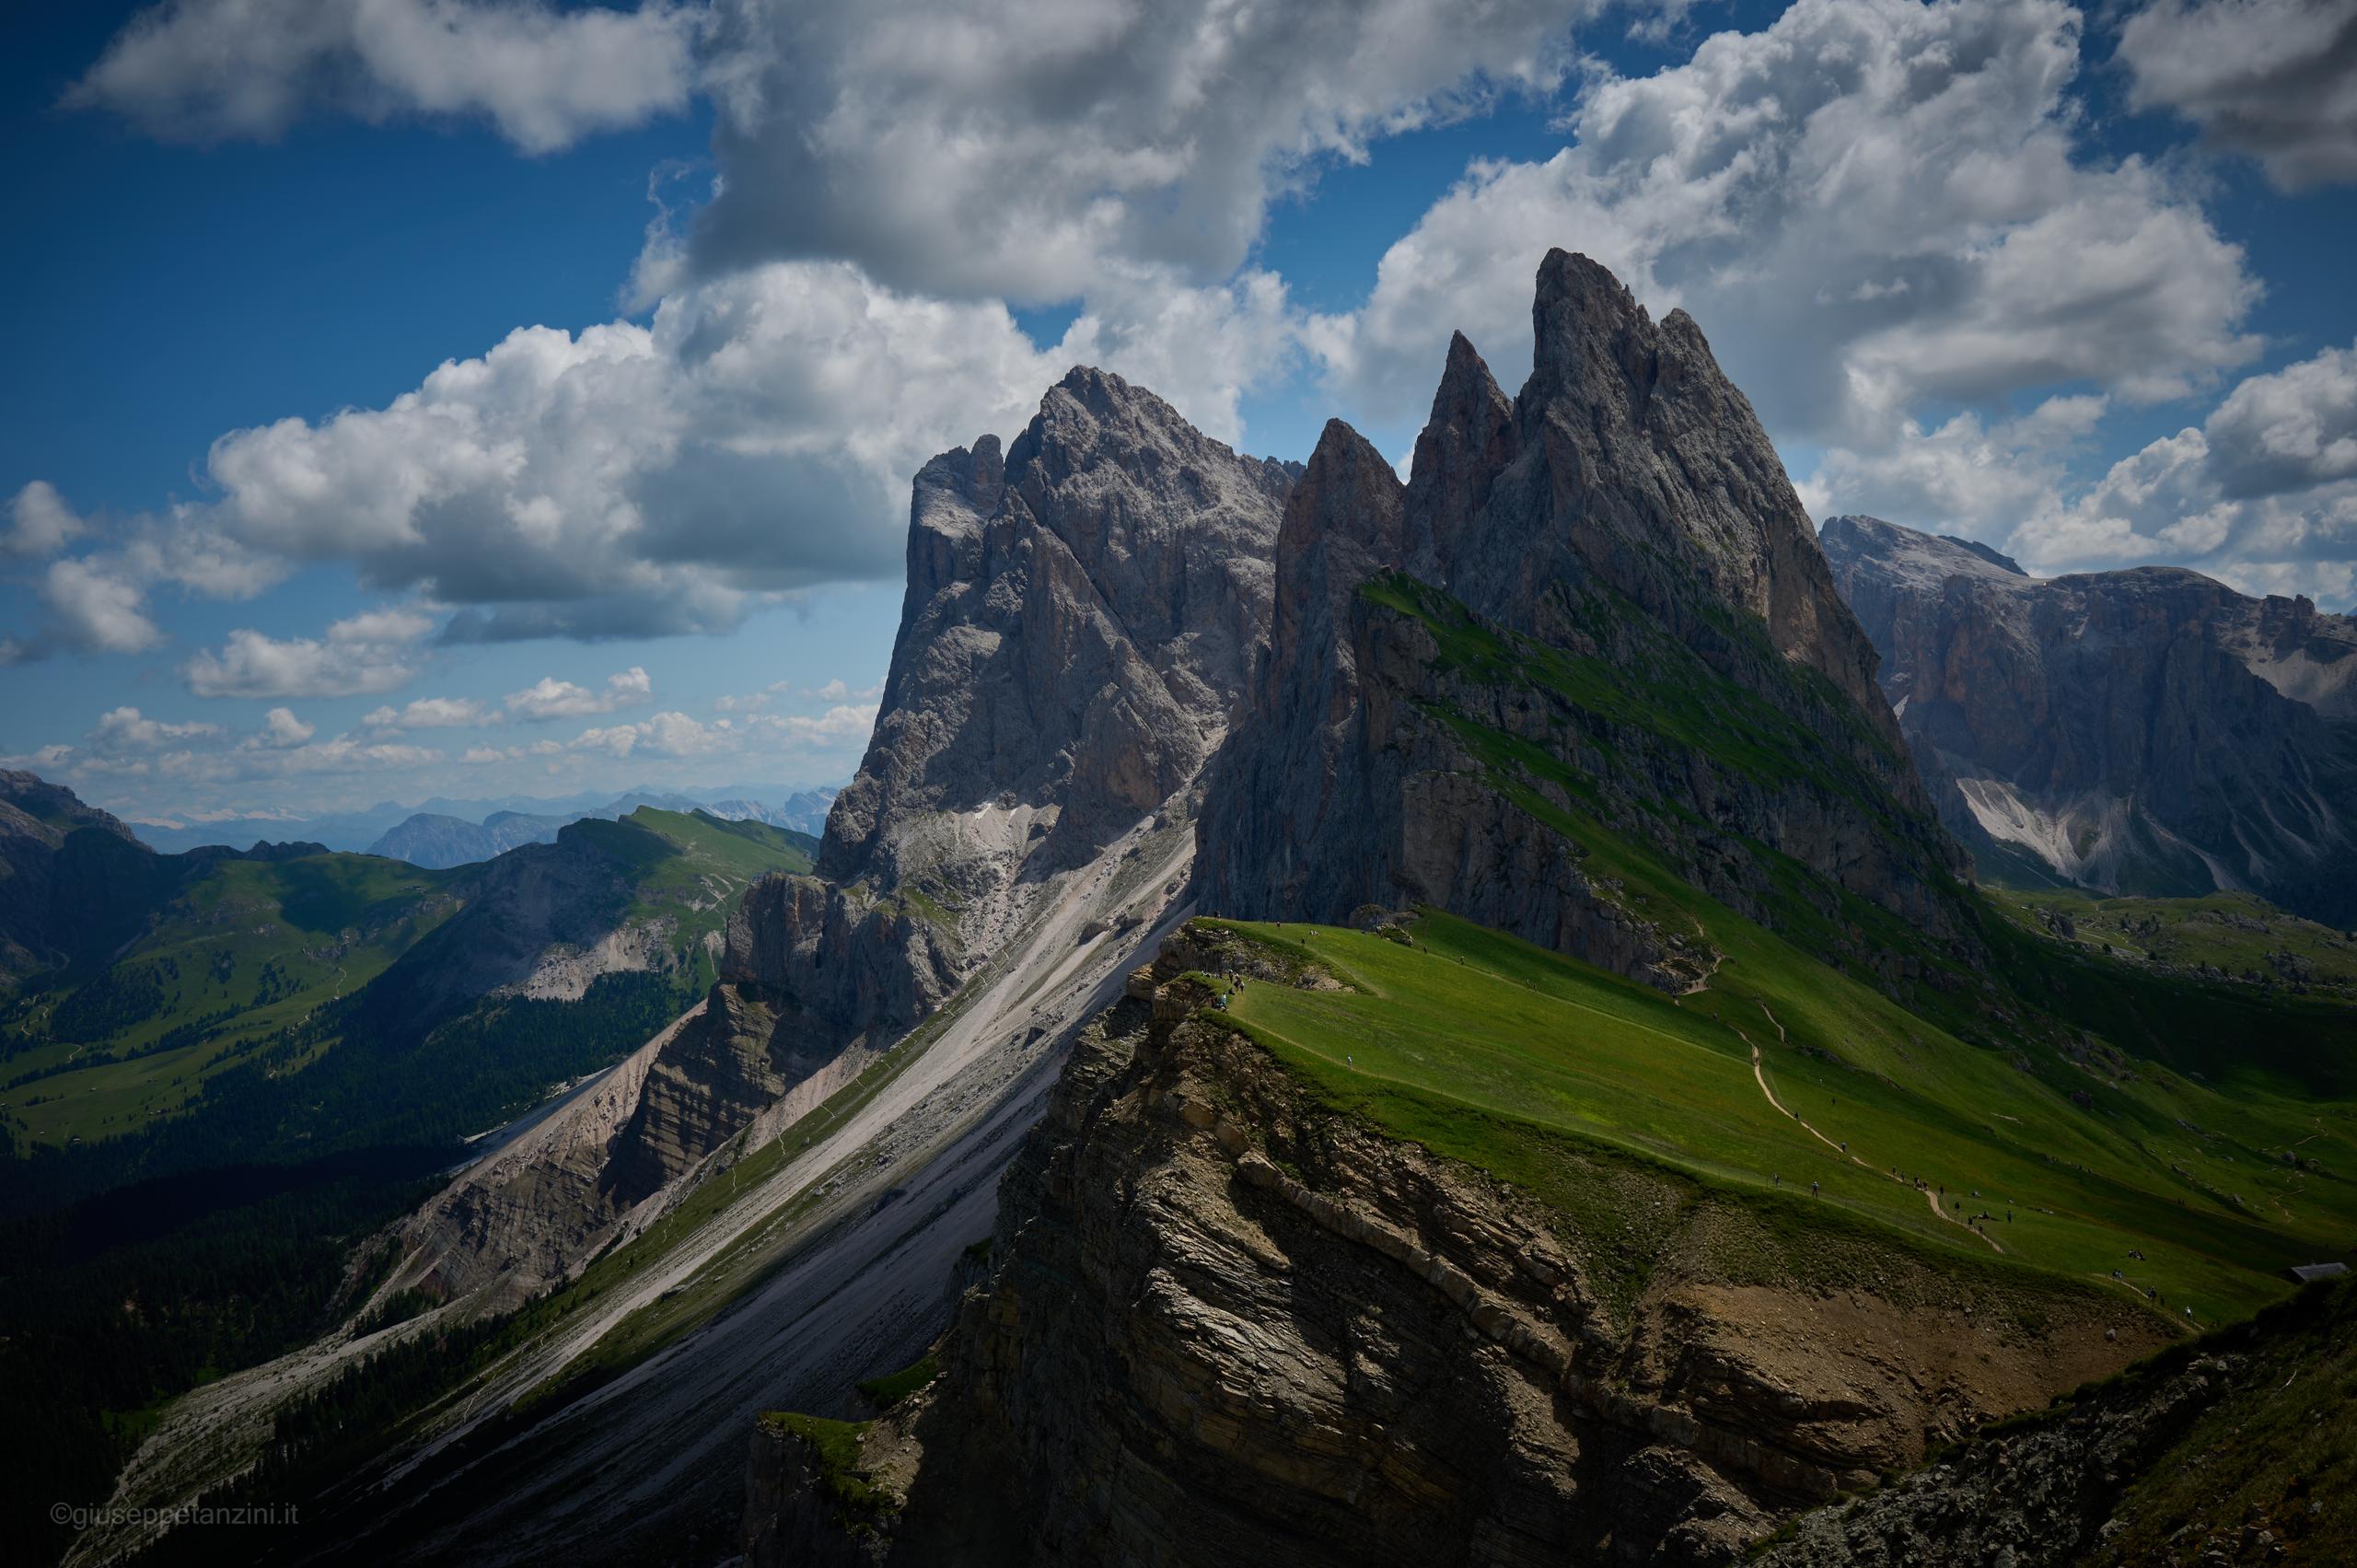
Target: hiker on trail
[1813, 1189]
[1779, 1179]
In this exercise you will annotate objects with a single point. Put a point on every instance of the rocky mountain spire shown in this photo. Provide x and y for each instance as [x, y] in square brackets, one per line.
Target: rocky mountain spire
[1081, 617]
[1468, 439]
[1079, 620]
[1603, 594]
[1648, 472]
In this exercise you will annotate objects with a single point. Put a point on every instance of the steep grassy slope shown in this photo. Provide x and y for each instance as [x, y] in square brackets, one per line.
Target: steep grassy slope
[243, 955]
[1582, 744]
[249, 949]
[699, 863]
[1465, 1040]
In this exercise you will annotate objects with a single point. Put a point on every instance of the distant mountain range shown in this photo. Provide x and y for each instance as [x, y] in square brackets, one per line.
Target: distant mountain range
[800, 807]
[2141, 731]
[437, 841]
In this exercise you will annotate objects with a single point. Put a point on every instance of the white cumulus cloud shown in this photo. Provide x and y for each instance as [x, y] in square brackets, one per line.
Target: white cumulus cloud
[2263, 493]
[949, 147]
[126, 729]
[364, 653]
[281, 729]
[2290, 429]
[549, 698]
[39, 522]
[432, 712]
[95, 607]
[1868, 204]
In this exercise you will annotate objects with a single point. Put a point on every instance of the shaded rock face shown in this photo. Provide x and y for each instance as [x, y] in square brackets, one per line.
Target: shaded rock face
[67, 873]
[1080, 616]
[2141, 731]
[1082, 613]
[1560, 571]
[1227, 1325]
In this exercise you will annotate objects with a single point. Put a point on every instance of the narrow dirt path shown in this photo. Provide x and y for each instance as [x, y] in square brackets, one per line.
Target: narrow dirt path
[1759, 1075]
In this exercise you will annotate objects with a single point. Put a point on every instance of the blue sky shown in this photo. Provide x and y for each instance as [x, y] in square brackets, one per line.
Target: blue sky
[2070, 282]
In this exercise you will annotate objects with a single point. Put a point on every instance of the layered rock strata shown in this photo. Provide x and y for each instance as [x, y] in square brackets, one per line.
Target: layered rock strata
[1228, 1324]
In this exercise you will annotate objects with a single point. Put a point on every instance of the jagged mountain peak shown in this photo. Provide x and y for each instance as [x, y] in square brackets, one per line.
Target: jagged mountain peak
[1343, 524]
[1467, 442]
[1623, 525]
[1643, 466]
[1080, 616]
[37, 807]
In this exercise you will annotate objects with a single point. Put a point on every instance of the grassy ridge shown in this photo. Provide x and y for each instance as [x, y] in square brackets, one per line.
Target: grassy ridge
[2236, 934]
[2113, 1104]
[250, 950]
[1466, 1035]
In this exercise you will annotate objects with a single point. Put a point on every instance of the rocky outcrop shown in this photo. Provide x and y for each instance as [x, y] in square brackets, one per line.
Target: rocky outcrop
[2134, 1470]
[1598, 602]
[1082, 612]
[521, 1221]
[543, 921]
[2144, 731]
[1228, 1324]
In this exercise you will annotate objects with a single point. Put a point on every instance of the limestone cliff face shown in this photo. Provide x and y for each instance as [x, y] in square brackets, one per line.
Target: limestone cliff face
[2139, 731]
[1601, 598]
[1228, 1325]
[1081, 612]
[1080, 616]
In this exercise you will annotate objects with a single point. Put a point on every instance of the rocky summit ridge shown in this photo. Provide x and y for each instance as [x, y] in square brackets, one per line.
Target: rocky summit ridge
[1081, 610]
[1598, 602]
[2140, 731]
